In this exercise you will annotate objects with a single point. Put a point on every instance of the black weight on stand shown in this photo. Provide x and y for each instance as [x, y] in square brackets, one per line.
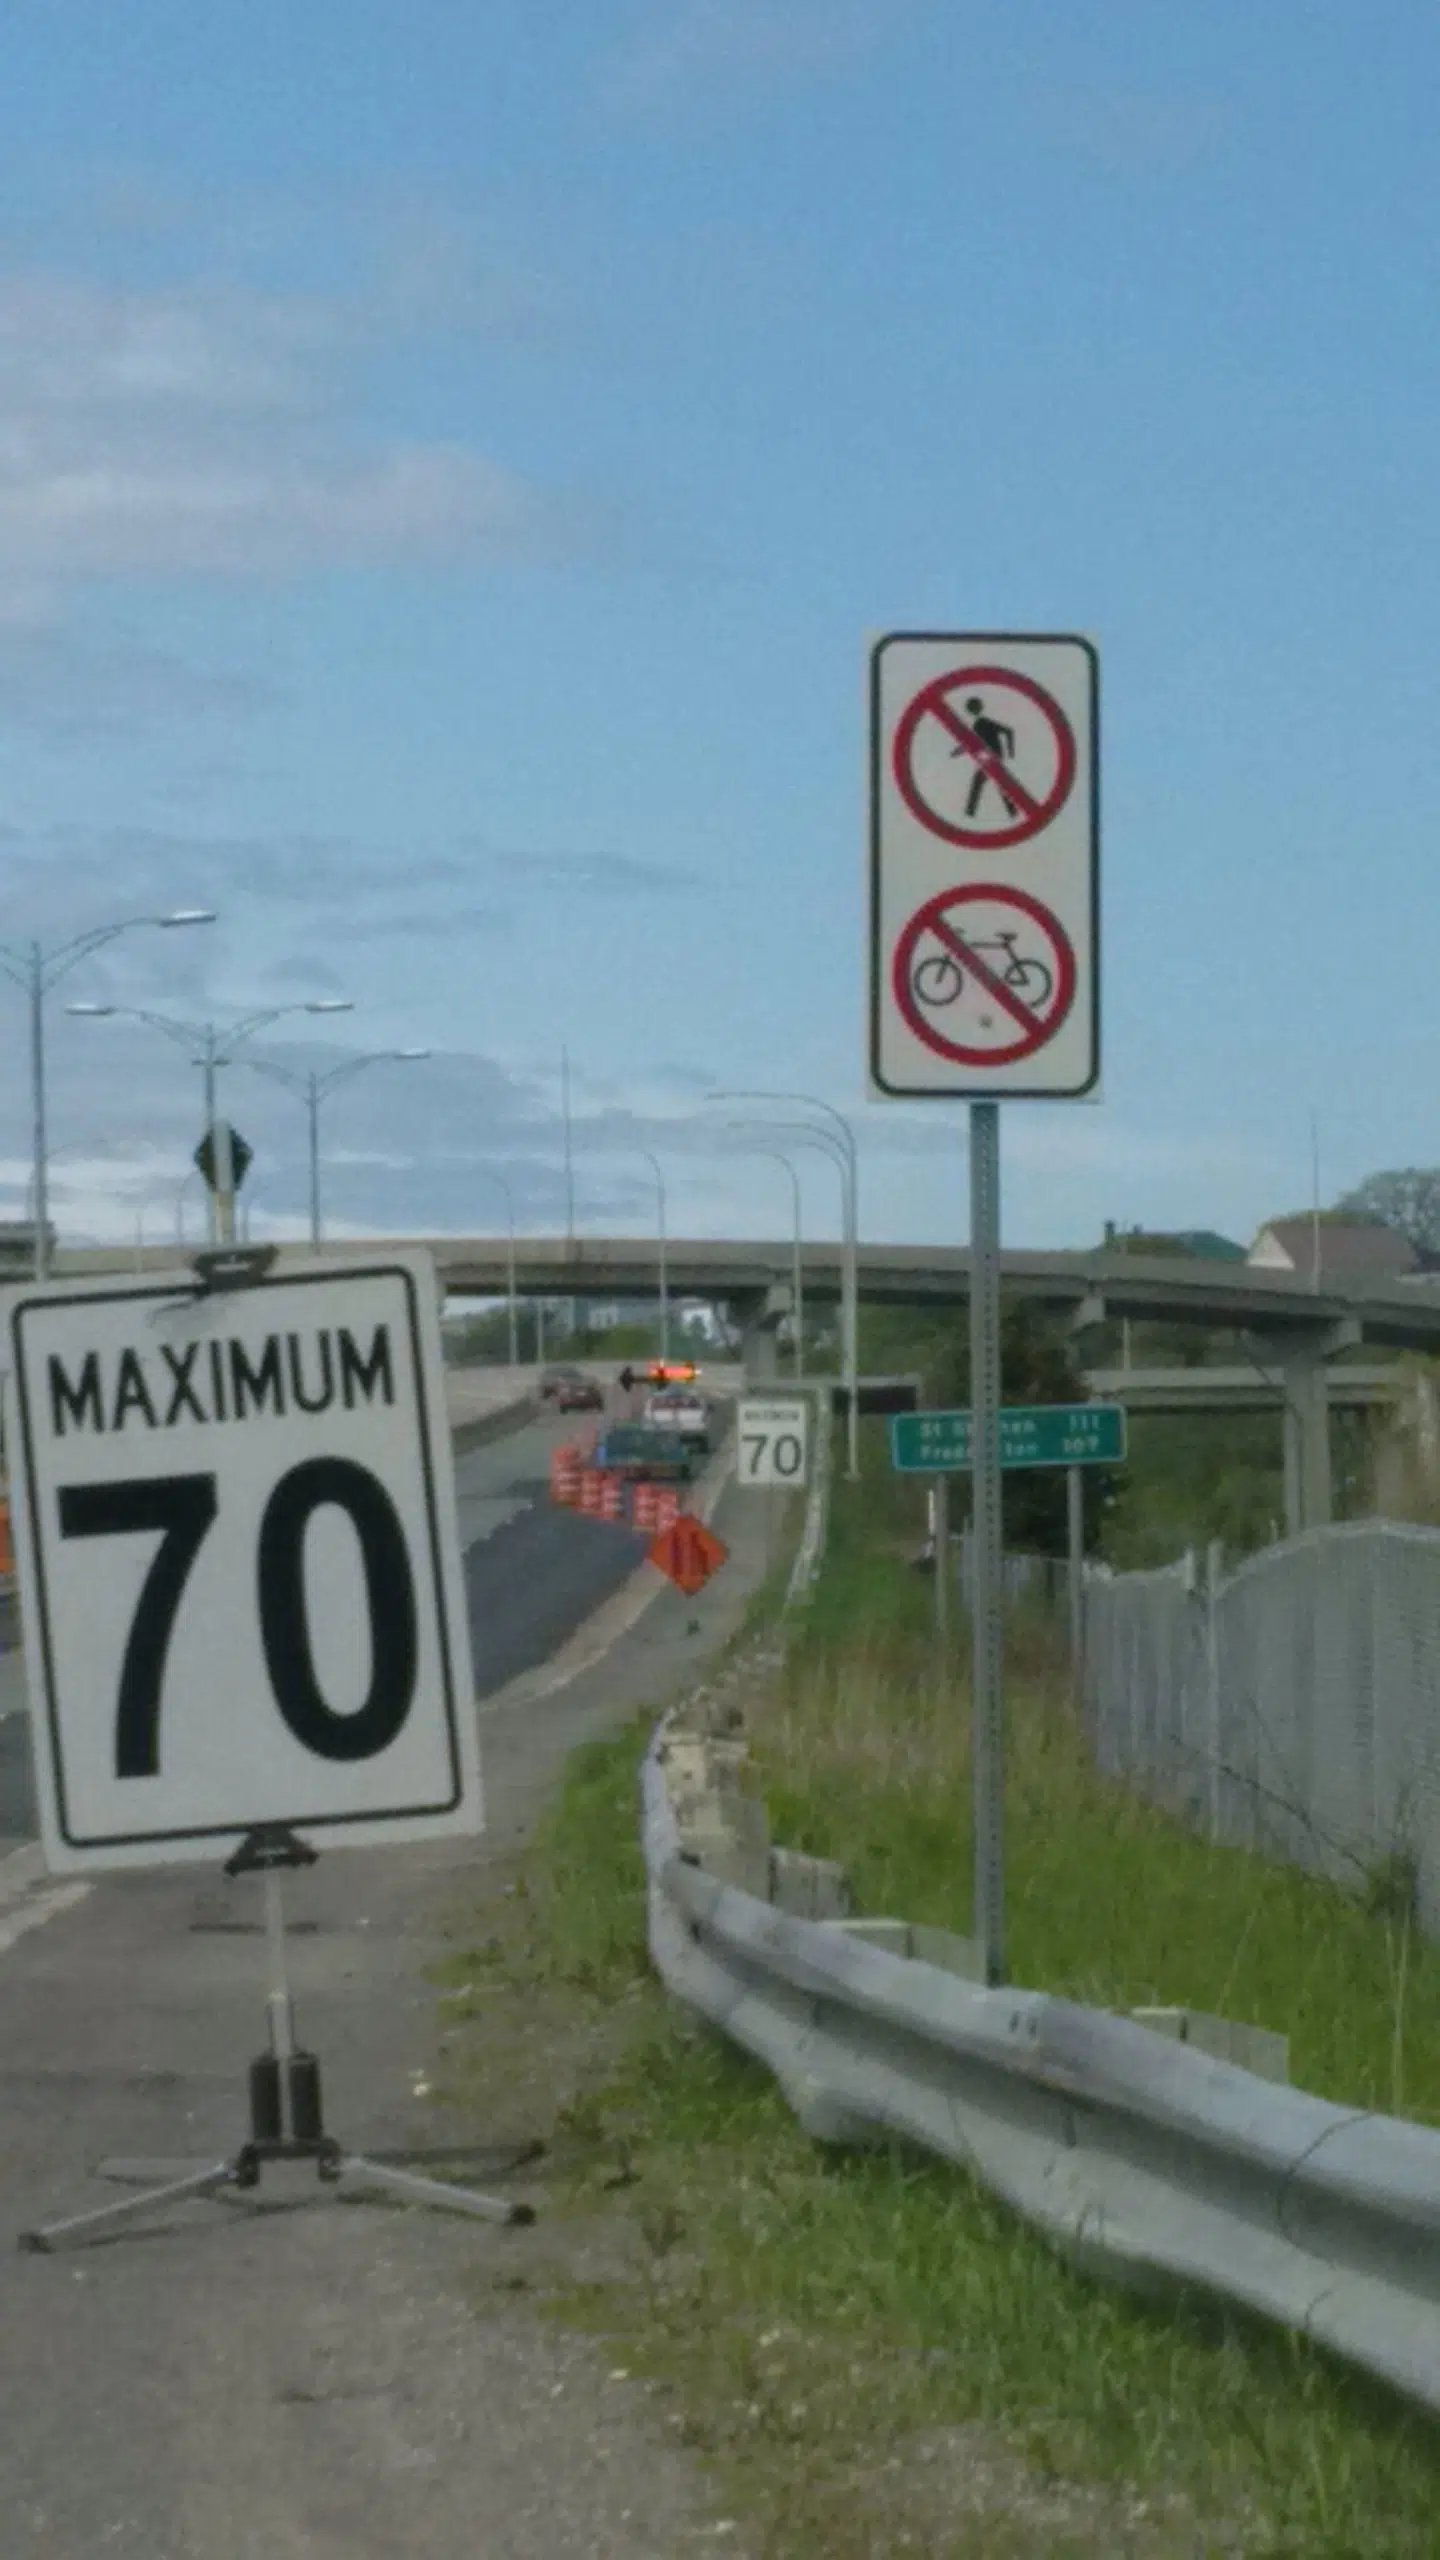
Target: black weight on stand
[287, 2119]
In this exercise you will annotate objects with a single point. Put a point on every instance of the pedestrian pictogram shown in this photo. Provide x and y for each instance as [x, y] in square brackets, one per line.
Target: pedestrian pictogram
[984, 866]
[984, 975]
[688, 1552]
[984, 756]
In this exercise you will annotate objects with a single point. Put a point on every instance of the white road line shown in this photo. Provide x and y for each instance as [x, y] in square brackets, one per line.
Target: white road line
[34, 1914]
[21, 1869]
[22, 1908]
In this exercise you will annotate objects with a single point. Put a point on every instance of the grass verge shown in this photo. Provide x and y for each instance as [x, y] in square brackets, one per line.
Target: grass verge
[873, 2357]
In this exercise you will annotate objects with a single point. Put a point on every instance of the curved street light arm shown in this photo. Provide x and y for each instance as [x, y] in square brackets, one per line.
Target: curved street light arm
[811, 1101]
[843, 1150]
[292, 1080]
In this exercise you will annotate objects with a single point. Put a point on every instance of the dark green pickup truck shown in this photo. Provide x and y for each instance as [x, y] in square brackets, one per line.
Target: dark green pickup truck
[643, 1453]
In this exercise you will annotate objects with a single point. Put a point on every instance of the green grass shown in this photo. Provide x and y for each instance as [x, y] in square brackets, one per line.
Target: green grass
[820, 2320]
[865, 1758]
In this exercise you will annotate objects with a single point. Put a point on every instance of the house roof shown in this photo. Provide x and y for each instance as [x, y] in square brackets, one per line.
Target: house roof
[1205, 1241]
[1346, 1244]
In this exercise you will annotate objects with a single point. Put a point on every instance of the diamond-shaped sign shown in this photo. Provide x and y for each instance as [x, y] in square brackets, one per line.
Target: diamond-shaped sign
[241, 1157]
[688, 1552]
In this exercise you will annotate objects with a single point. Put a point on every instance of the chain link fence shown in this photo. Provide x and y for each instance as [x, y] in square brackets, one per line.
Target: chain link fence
[1292, 1707]
[1040, 1580]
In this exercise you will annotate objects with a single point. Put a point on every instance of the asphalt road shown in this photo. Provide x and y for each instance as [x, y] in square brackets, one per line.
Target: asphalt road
[294, 2377]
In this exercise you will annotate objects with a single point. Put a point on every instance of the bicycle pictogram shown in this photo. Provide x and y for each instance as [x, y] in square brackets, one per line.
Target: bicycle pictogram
[940, 978]
[983, 974]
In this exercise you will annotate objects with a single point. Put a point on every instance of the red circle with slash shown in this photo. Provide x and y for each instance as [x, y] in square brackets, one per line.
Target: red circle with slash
[933, 703]
[1037, 1017]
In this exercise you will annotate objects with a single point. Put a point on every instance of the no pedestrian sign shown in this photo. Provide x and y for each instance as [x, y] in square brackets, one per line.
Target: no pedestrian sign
[239, 1573]
[984, 857]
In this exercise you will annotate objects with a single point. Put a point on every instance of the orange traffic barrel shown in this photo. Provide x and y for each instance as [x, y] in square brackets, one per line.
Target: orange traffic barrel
[642, 1504]
[667, 1506]
[592, 1488]
[612, 1494]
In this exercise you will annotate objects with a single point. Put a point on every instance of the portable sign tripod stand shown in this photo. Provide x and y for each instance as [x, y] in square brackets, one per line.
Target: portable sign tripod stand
[286, 2114]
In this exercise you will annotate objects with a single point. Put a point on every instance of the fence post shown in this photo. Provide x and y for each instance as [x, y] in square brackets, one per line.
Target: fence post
[940, 1535]
[1214, 1567]
[1075, 1539]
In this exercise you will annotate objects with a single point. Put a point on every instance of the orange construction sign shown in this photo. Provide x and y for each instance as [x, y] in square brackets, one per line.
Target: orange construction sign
[688, 1552]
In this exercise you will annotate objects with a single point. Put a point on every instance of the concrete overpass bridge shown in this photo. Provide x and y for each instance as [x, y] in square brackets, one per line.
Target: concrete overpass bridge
[1302, 1340]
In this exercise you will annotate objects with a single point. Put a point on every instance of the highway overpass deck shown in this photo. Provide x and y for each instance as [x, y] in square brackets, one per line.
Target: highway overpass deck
[1091, 1288]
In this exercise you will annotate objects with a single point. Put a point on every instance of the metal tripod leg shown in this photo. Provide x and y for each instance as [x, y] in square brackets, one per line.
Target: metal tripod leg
[412, 2189]
[201, 2182]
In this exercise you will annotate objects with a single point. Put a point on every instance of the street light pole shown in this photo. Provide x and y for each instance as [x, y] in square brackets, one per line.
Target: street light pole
[215, 1050]
[312, 1088]
[39, 1149]
[654, 1164]
[312, 1106]
[497, 1176]
[797, 1266]
[845, 1155]
[36, 970]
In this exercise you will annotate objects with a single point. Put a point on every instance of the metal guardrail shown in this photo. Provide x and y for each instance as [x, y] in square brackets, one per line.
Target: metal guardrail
[812, 1532]
[1141, 2158]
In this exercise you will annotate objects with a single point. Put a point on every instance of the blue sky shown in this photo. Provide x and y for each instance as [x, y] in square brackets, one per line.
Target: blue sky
[454, 461]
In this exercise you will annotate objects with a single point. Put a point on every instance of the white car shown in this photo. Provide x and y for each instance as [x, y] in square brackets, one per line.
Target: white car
[676, 1409]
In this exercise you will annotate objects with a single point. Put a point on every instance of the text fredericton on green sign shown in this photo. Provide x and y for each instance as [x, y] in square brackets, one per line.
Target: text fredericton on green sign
[1031, 1435]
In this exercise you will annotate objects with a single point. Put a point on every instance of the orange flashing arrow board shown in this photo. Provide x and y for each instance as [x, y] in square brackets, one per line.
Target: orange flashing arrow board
[688, 1552]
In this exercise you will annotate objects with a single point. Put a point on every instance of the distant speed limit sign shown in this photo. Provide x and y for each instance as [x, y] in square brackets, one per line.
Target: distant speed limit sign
[235, 1536]
[772, 1440]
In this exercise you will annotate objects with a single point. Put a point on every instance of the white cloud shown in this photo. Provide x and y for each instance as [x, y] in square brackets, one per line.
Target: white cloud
[598, 875]
[57, 684]
[687, 44]
[205, 432]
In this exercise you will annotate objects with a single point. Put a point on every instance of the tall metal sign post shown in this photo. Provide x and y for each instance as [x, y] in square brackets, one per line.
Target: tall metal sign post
[984, 988]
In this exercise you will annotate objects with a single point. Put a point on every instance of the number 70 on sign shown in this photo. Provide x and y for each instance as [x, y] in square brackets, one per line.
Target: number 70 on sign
[772, 1440]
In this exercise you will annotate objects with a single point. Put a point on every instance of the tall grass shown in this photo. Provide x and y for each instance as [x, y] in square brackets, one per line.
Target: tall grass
[864, 1749]
[873, 2355]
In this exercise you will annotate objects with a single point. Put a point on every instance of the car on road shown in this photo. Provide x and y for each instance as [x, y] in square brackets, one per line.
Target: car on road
[552, 1380]
[677, 1409]
[580, 1395]
[643, 1454]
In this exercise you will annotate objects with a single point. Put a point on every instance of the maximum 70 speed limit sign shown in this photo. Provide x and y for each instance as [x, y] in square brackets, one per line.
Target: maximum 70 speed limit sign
[772, 1440]
[235, 1536]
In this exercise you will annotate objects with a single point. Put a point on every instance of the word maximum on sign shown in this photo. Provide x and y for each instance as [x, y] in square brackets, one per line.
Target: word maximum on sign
[223, 1380]
[239, 1569]
[1031, 1435]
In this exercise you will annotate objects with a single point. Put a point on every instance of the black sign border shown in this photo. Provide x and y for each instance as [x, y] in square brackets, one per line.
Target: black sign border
[295, 1821]
[982, 1092]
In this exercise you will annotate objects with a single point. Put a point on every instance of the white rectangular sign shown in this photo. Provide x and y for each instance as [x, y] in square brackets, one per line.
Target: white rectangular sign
[984, 866]
[772, 1440]
[239, 1571]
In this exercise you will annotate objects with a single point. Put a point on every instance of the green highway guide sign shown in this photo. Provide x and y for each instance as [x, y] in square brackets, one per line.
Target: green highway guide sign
[1031, 1435]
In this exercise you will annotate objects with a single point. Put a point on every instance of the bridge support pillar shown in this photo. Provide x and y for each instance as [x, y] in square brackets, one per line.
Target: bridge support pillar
[1309, 1498]
[760, 1352]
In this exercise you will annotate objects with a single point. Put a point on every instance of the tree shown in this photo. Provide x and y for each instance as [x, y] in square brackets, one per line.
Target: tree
[1037, 1367]
[1407, 1200]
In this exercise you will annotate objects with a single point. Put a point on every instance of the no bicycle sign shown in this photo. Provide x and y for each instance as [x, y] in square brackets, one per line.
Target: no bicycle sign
[984, 856]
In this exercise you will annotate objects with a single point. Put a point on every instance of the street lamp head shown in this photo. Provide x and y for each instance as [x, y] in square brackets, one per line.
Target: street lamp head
[329, 1004]
[188, 915]
[410, 1053]
[91, 1009]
